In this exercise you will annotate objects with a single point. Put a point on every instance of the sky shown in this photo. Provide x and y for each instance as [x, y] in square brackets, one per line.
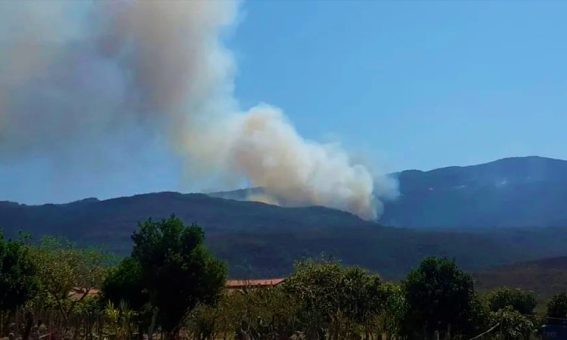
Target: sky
[400, 84]
[412, 84]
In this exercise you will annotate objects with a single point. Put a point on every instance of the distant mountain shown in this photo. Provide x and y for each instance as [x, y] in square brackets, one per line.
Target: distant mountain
[92, 219]
[545, 277]
[512, 192]
[259, 240]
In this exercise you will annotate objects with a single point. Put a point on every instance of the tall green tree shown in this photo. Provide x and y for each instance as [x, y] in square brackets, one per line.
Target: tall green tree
[177, 270]
[440, 297]
[18, 280]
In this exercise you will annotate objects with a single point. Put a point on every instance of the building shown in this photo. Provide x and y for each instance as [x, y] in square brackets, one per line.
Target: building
[240, 285]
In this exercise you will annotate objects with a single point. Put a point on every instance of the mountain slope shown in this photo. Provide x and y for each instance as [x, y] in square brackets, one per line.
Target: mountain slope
[545, 277]
[489, 207]
[512, 192]
[262, 240]
[91, 219]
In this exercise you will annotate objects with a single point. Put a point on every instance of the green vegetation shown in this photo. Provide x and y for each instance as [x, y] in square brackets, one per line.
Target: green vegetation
[62, 268]
[517, 299]
[259, 240]
[18, 280]
[335, 298]
[441, 298]
[172, 287]
[172, 269]
[512, 324]
[557, 306]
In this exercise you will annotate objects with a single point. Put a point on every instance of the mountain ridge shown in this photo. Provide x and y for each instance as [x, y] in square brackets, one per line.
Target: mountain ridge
[511, 192]
[259, 239]
[545, 277]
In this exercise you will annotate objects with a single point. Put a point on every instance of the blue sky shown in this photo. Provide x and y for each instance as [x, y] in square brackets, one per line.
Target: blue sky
[412, 84]
[401, 84]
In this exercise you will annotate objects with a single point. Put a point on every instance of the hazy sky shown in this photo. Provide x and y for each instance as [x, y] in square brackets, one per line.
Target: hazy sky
[400, 84]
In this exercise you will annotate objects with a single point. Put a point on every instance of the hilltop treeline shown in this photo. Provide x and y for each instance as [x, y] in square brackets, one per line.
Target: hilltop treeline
[172, 287]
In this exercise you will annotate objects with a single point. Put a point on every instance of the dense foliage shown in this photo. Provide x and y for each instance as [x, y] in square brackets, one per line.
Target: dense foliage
[512, 324]
[64, 268]
[171, 285]
[124, 285]
[170, 269]
[517, 299]
[177, 269]
[259, 240]
[335, 298]
[557, 307]
[18, 280]
[441, 297]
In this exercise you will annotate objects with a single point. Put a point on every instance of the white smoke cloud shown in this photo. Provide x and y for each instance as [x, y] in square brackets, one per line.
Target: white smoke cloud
[161, 67]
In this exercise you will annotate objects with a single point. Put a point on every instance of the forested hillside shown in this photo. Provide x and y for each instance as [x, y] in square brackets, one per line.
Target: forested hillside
[262, 240]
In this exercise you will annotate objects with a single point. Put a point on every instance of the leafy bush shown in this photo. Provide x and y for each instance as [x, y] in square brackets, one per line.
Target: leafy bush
[335, 300]
[557, 308]
[519, 300]
[512, 324]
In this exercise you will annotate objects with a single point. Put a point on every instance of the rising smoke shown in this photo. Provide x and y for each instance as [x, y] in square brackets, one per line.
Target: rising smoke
[160, 67]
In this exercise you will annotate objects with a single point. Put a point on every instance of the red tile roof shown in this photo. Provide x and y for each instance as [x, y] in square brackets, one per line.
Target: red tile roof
[235, 284]
[78, 293]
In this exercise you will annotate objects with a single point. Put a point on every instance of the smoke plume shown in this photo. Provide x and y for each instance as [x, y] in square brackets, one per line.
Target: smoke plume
[77, 74]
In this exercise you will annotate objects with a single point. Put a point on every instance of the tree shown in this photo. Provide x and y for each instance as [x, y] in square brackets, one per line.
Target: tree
[517, 299]
[177, 270]
[124, 284]
[64, 268]
[557, 306]
[267, 313]
[439, 297]
[18, 281]
[512, 324]
[124, 288]
[390, 320]
[335, 298]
